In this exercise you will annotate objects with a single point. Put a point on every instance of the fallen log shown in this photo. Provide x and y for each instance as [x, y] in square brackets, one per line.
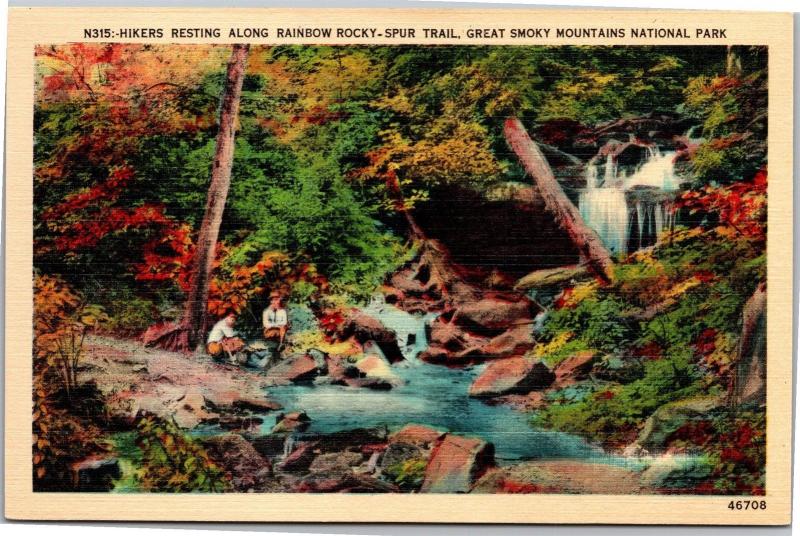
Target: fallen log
[551, 277]
[566, 215]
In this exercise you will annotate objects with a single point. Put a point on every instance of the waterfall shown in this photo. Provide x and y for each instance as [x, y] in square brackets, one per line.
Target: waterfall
[605, 208]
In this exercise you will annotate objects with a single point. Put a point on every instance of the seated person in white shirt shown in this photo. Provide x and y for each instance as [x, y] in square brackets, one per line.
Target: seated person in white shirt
[222, 338]
[275, 320]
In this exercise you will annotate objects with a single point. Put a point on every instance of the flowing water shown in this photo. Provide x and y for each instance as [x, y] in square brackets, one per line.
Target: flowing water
[623, 224]
[432, 395]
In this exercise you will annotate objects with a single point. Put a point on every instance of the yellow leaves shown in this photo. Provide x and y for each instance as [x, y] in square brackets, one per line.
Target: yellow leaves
[726, 231]
[580, 292]
[543, 350]
[682, 287]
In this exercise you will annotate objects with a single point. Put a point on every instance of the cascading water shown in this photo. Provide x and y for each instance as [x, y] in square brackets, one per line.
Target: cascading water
[604, 204]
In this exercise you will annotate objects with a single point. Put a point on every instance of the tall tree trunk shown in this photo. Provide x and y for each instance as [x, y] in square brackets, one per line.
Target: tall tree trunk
[195, 314]
[191, 330]
[598, 258]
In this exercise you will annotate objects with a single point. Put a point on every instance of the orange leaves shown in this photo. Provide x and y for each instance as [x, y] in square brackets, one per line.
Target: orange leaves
[741, 205]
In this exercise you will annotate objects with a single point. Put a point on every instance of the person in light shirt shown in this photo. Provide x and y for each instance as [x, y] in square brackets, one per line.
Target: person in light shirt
[222, 338]
[275, 320]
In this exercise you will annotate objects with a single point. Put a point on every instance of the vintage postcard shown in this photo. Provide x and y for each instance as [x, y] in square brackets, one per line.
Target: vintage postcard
[536, 263]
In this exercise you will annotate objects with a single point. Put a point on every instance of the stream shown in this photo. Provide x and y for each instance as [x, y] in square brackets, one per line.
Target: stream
[432, 395]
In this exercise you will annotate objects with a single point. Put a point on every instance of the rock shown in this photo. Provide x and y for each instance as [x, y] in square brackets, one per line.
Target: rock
[291, 422]
[490, 314]
[355, 439]
[416, 434]
[295, 368]
[676, 472]
[301, 457]
[407, 454]
[96, 473]
[256, 404]
[248, 469]
[511, 375]
[366, 328]
[560, 476]
[575, 367]
[239, 422]
[270, 445]
[345, 483]
[514, 342]
[455, 464]
[192, 409]
[332, 463]
[669, 417]
[373, 367]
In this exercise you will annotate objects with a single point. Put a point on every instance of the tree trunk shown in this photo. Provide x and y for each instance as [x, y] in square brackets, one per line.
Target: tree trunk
[598, 258]
[749, 379]
[191, 330]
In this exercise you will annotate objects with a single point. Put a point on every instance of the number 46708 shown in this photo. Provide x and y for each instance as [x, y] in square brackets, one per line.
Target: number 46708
[747, 505]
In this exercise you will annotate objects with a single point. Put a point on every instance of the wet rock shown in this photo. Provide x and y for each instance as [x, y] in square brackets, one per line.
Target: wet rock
[366, 328]
[248, 469]
[96, 473]
[256, 404]
[296, 421]
[511, 375]
[456, 463]
[301, 457]
[355, 438]
[239, 422]
[373, 367]
[295, 368]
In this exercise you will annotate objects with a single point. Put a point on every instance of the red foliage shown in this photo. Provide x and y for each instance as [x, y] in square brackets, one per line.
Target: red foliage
[605, 395]
[87, 233]
[741, 205]
[330, 321]
[705, 343]
[512, 486]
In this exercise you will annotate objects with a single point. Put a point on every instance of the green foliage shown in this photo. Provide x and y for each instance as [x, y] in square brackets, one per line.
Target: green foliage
[598, 322]
[408, 474]
[173, 462]
[611, 414]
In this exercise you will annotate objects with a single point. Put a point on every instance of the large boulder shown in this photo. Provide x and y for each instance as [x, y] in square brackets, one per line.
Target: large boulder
[489, 315]
[456, 463]
[296, 368]
[247, 468]
[407, 454]
[515, 341]
[511, 375]
[669, 418]
[365, 328]
[296, 421]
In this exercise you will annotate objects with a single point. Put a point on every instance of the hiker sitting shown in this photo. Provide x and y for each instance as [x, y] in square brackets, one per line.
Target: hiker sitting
[275, 320]
[222, 339]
